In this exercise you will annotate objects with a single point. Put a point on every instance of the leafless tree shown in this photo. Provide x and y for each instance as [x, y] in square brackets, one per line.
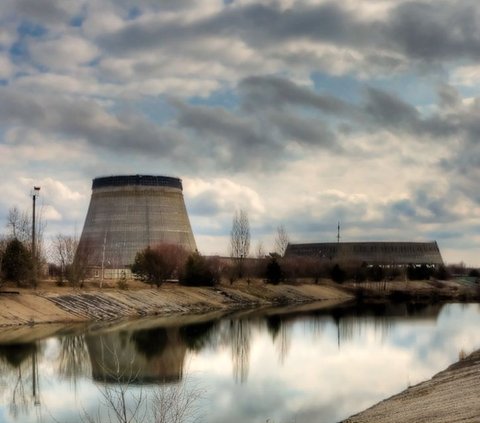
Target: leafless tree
[240, 240]
[64, 248]
[73, 358]
[124, 402]
[78, 271]
[240, 334]
[260, 253]
[19, 224]
[20, 227]
[240, 235]
[281, 240]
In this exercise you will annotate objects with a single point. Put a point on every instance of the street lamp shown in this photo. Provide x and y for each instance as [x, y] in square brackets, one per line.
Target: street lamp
[36, 193]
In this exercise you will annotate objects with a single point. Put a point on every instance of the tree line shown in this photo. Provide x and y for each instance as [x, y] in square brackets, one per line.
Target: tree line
[160, 263]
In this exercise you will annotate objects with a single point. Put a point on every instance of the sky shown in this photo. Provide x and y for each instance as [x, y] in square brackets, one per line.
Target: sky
[301, 112]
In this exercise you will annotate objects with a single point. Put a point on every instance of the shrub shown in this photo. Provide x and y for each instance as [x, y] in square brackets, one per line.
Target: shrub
[375, 273]
[156, 265]
[474, 273]
[273, 272]
[337, 274]
[419, 272]
[442, 273]
[199, 271]
[122, 282]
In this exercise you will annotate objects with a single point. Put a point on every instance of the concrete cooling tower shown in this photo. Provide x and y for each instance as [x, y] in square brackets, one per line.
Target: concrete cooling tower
[129, 213]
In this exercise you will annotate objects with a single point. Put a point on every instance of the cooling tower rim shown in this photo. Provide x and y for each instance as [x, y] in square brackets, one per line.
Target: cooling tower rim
[115, 181]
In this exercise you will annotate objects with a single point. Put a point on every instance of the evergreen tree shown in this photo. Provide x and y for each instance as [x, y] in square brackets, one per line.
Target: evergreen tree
[16, 262]
[273, 272]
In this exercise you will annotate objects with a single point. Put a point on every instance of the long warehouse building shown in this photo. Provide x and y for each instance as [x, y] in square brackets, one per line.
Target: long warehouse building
[371, 253]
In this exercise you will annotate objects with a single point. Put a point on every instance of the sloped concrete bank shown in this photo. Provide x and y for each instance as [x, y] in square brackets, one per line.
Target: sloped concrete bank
[450, 396]
[54, 306]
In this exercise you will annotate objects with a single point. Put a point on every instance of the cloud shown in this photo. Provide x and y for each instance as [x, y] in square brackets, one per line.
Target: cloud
[66, 52]
[361, 111]
[259, 92]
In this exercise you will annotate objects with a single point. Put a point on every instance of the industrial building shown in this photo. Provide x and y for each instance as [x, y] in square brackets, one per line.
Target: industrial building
[371, 253]
[128, 213]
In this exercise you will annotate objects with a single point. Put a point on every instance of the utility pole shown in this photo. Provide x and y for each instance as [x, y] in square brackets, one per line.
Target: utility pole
[36, 192]
[338, 232]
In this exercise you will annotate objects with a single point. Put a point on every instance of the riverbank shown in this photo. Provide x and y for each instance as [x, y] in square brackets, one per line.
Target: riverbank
[459, 290]
[450, 396]
[52, 304]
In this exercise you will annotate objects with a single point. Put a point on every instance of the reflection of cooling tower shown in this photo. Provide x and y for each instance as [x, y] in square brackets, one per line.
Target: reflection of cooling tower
[137, 357]
[128, 213]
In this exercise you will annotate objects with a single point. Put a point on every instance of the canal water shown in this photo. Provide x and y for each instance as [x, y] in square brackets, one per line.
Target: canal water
[277, 365]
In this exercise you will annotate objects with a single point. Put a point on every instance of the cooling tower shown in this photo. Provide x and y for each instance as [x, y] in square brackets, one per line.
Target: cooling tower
[129, 213]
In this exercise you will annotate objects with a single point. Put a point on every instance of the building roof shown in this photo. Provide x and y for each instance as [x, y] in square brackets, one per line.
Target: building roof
[136, 180]
[381, 253]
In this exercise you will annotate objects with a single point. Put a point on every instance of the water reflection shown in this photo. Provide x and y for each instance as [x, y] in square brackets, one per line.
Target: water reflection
[282, 364]
[137, 357]
[73, 360]
[19, 370]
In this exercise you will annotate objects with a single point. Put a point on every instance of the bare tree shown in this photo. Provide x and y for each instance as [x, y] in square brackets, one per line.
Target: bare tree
[281, 240]
[240, 240]
[260, 253]
[240, 334]
[20, 227]
[240, 235]
[123, 401]
[64, 248]
[19, 224]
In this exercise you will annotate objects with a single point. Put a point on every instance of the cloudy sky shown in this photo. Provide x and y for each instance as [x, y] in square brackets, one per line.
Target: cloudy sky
[302, 112]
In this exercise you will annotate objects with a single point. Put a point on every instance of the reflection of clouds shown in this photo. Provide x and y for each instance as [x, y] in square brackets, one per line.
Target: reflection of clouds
[317, 381]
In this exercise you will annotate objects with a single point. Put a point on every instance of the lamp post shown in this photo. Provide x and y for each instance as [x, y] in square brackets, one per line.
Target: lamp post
[36, 193]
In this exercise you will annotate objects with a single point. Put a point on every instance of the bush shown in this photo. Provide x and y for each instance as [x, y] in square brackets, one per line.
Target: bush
[156, 265]
[419, 272]
[375, 273]
[122, 282]
[337, 274]
[442, 273]
[198, 271]
[273, 273]
[474, 273]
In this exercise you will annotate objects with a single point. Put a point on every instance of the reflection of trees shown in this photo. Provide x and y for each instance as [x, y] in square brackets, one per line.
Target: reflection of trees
[124, 402]
[354, 321]
[22, 358]
[280, 334]
[73, 358]
[199, 335]
[240, 332]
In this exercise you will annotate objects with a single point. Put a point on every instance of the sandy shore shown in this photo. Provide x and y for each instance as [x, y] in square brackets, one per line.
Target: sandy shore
[450, 396]
[50, 304]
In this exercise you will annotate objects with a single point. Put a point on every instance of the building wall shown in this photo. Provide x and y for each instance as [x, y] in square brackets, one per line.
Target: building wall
[382, 253]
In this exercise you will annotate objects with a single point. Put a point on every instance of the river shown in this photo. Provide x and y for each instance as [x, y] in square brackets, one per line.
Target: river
[281, 365]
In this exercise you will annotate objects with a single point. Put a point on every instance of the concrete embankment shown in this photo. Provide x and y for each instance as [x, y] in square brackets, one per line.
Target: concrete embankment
[450, 396]
[67, 305]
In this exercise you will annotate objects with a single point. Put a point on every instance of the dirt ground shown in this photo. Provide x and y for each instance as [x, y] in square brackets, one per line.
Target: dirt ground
[450, 396]
[49, 303]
